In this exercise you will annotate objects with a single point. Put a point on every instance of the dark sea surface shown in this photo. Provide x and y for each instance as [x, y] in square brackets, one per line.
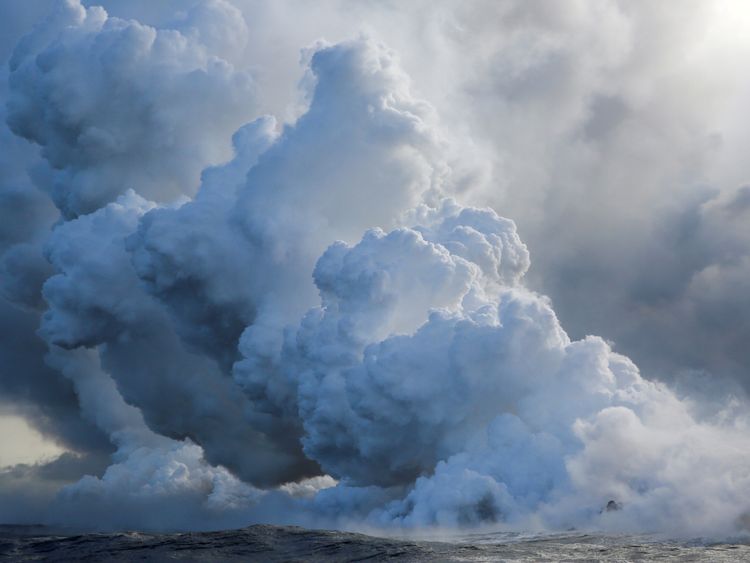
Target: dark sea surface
[288, 543]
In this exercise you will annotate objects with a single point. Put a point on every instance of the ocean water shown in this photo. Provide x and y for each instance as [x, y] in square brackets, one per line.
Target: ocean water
[288, 543]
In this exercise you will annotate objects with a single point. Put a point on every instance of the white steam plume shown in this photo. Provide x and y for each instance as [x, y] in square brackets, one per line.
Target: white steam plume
[116, 104]
[314, 329]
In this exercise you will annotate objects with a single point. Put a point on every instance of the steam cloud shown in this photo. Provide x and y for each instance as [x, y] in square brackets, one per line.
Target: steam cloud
[243, 320]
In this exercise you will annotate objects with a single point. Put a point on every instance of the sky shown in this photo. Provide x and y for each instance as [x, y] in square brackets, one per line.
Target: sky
[21, 443]
[375, 264]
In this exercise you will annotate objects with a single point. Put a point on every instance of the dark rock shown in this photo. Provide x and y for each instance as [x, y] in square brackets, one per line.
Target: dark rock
[612, 506]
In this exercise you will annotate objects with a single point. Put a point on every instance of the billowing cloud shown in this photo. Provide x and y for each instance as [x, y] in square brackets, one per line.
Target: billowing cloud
[363, 154]
[139, 348]
[486, 401]
[291, 317]
[116, 105]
